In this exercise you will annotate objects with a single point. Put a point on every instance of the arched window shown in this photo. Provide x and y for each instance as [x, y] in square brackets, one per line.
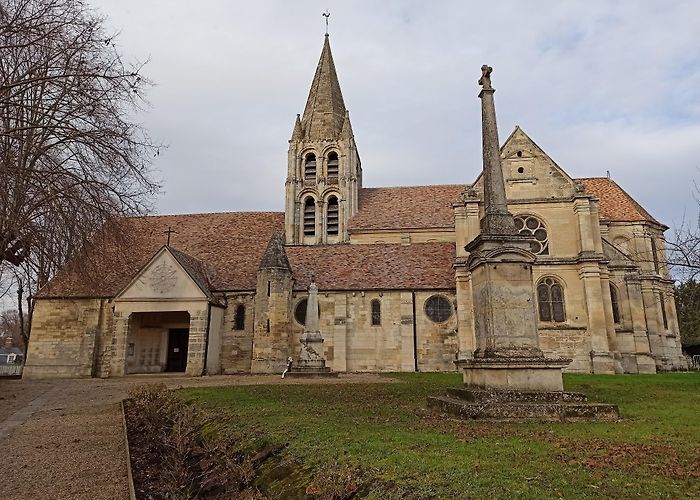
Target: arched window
[310, 166]
[550, 299]
[309, 217]
[333, 165]
[438, 308]
[239, 318]
[376, 312]
[332, 216]
[615, 304]
[532, 226]
[654, 254]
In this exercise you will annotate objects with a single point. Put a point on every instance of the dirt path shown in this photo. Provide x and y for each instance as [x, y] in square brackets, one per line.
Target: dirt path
[64, 439]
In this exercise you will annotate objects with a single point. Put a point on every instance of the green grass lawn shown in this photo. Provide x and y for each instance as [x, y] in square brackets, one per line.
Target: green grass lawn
[403, 449]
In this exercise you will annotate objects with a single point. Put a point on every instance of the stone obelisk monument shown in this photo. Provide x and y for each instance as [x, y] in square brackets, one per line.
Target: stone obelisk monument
[509, 376]
[311, 361]
[507, 354]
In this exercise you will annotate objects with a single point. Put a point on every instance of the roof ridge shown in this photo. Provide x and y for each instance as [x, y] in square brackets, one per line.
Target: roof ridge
[418, 185]
[153, 216]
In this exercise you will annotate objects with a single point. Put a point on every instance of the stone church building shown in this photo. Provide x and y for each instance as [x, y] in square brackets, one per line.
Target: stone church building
[227, 293]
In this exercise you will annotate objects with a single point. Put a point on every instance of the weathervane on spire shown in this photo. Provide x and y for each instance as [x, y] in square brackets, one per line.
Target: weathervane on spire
[326, 14]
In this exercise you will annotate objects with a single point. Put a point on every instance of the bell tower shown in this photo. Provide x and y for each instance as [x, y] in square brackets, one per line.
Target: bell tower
[324, 174]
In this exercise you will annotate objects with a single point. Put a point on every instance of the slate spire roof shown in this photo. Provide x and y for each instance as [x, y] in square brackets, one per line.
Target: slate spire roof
[275, 257]
[324, 113]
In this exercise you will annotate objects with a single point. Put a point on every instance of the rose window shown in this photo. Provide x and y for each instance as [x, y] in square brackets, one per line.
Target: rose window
[531, 226]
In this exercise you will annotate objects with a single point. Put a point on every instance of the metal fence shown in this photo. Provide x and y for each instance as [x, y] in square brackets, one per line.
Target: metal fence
[696, 362]
[12, 370]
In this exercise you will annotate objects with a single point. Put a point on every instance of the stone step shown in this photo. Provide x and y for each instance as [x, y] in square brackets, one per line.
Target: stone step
[314, 369]
[518, 411]
[501, 396]
[310, 372]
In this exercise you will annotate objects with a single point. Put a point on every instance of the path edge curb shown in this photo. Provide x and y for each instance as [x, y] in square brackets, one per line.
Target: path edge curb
[129, 475]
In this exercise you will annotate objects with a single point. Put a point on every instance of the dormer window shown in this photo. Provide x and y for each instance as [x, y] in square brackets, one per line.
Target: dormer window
[333, 165]
[310, 167]
[309, 217]
[332, 218]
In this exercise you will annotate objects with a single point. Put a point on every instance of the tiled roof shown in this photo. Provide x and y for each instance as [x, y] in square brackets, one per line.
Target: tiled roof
[223, 252]
[230, 246]
[196, 269]
[374, 267]
[411, 207]
[615, 204]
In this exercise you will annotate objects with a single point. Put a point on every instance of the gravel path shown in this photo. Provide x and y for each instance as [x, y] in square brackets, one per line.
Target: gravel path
[63, 438]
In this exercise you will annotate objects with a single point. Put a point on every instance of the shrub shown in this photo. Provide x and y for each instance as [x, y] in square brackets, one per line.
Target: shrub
[182, 452]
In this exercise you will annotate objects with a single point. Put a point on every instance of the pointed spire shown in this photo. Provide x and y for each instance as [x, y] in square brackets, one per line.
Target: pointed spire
[324, 113]
[275, 256]
[346, 132]
[297, 132]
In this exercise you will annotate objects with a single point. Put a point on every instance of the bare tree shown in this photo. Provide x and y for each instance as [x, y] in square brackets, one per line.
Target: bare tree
[684, 251]
[10, 328]
[71, 156]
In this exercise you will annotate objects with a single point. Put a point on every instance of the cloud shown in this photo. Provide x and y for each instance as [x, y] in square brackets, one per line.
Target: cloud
[608, 85]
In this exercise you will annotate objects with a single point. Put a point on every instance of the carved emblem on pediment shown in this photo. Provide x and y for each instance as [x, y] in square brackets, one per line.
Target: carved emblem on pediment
[163, 278]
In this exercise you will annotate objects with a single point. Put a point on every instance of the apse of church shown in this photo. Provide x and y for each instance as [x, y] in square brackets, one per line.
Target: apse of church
[227, 293]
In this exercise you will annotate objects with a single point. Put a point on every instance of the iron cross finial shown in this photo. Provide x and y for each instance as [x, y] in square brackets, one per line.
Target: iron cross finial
[326, 14]
[169, 232]
[485, 80]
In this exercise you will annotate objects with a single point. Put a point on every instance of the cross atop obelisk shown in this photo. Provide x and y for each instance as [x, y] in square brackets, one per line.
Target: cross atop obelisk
[497, 219]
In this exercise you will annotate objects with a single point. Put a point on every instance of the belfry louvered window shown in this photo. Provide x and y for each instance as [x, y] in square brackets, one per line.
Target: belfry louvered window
[333, 166]
[332, 219]
[550, 300]
[310, 167]
[309, 217]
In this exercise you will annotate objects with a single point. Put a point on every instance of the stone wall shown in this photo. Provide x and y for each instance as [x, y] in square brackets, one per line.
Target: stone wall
[402, 236]
[237, 345]
[197, 341]
[352, 343]
[63, 338]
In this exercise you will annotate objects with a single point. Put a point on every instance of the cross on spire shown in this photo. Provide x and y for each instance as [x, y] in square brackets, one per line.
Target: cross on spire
[326, 14]
[169, 232]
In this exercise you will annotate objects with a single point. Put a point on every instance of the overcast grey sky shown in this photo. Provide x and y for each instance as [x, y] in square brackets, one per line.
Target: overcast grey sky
[599, 85]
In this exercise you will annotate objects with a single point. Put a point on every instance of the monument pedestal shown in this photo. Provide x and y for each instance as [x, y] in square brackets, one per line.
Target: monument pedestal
[311, 362]
[526, 374]
[520, 406]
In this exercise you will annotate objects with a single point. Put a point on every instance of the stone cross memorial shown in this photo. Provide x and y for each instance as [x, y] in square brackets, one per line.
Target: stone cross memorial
[508, 377]
[311, 362]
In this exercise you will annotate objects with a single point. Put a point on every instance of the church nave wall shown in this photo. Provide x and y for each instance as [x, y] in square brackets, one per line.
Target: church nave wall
[66, 337]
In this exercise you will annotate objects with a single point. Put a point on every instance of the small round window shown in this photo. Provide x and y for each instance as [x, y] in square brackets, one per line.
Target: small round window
[532, 226]
[300, 311]
[438, 308]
